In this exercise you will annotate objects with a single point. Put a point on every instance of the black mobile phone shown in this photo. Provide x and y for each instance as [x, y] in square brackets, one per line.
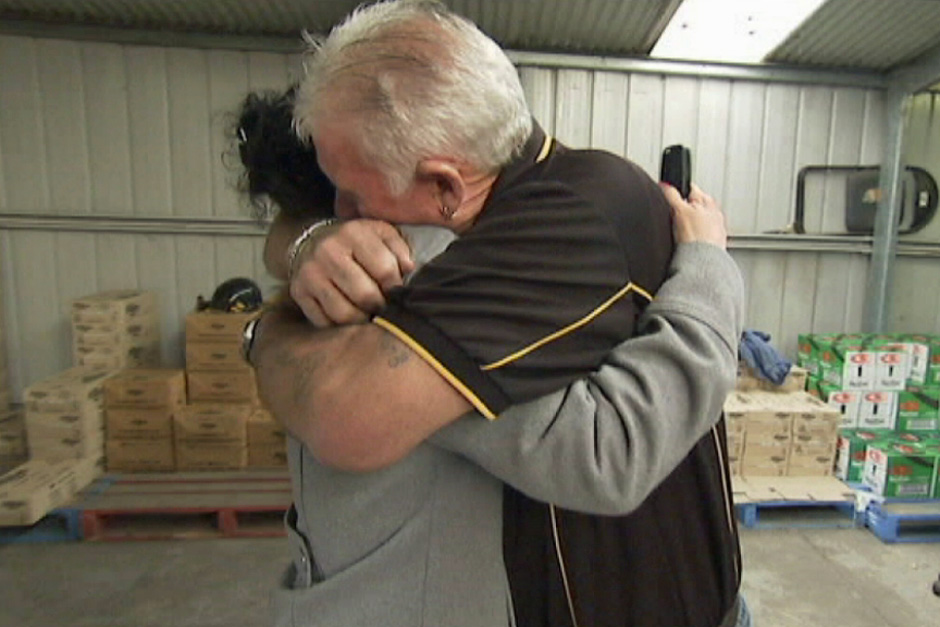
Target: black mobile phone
[676, 168]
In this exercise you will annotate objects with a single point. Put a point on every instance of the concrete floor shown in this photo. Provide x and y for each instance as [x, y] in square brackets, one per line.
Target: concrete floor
[793, 578]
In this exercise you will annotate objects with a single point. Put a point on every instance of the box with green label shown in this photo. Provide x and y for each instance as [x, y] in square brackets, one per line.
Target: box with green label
[918, 349]
[810, 346]
[933, 367]
[892, 362]
[848, 364]
[847, 402]
[851, 450]
[918, 409]
[900, 469]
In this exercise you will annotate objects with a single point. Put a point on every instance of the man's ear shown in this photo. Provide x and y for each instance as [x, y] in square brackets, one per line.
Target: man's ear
[447, 183]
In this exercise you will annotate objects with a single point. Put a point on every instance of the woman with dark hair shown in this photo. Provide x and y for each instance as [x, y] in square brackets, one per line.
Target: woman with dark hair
[435, 569]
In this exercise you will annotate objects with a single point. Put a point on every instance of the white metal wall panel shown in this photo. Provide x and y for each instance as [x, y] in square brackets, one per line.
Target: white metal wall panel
[122, 130]
[915, 297]
[798, 292]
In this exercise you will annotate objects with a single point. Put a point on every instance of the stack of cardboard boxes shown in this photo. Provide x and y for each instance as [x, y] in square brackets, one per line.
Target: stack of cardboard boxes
[785, 432]
[887, 390]
[224, 404]
[116, 329]
[140, 408]
[64, 417]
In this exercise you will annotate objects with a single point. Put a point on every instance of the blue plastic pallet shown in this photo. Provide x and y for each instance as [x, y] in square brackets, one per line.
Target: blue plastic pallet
[59, 525]
[904, 520]
[793, 514]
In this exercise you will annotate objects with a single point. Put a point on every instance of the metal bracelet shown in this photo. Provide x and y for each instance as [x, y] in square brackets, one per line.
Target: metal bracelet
[297, 246]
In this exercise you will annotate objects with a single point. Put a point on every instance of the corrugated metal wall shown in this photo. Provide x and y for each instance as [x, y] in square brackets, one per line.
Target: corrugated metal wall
[915, 305]
[93, 128]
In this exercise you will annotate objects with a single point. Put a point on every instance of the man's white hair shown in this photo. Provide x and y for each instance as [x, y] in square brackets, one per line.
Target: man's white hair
[415, 81]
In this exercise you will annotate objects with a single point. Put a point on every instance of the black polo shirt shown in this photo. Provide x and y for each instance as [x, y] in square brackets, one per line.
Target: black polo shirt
[568, 249]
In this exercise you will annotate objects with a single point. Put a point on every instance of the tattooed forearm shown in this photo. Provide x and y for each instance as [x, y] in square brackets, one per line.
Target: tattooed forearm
[395, 352]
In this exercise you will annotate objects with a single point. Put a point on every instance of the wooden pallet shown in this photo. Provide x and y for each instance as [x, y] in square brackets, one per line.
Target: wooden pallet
[784, 502]
[904, 520]
[186, 505]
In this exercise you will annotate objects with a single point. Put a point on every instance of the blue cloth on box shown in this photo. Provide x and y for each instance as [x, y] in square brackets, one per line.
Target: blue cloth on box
[762, 357]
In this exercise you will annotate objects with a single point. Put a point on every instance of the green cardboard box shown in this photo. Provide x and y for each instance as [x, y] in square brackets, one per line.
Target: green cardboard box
[918, 347]
[850, 452]
[892, 362]
[918, 409]
[900, 469]
[932, 378]
[848, 364]
[846, 401]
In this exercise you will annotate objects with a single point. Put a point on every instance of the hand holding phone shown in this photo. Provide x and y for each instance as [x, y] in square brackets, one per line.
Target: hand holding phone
[676, 169]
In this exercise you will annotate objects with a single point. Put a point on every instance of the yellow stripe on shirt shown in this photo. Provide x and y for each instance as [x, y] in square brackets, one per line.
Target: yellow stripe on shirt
[629, 287]
[442, 370]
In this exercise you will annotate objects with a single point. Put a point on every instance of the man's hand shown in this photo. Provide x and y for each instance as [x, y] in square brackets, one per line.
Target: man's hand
[697, 220]
[344, 271]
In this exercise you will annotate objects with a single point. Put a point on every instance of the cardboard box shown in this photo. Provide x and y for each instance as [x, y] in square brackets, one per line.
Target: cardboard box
[213, 423]
[765, 449]
[63, 427]
[897, 469]
[267, 456]
[202, 455]
[31, 490]
[215, 356]
[846, 402]
[918, 409]
[214, 326]
[810, 347]
[851, 451]
[849, 365]
[113, 307]
[756, 416]
[735, 445]
[145, 387]
[933, 368]
[810, 465]
[139, 423]
[748, 381]
[12, 421]
[97, 360]
[223, 387]
[775, 420]
[878, 410]
[811, 416]
[13, 444]
[106, 335]
[764, 467]
[892, 363]
[58, 449]
[141, 455]
[71, 390]
[264, 430]
[918, 356]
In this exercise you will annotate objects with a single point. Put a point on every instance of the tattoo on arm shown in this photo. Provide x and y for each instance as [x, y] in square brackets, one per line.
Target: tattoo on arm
[301, 370]
[395, 352]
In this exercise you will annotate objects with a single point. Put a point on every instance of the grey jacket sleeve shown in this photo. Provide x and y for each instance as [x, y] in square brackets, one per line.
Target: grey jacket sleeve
[606, 441]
